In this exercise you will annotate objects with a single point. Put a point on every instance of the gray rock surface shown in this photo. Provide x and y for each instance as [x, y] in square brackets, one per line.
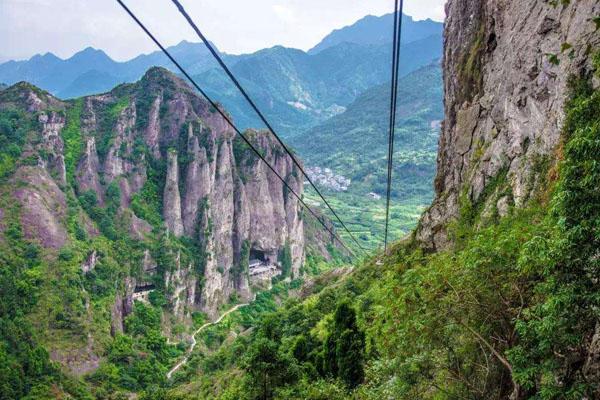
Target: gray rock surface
[503, 99]
[171, 197]
[43, 207]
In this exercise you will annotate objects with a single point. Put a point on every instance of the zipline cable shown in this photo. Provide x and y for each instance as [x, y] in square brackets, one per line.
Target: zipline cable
[260, 114]
[230, 122]
[398, 8]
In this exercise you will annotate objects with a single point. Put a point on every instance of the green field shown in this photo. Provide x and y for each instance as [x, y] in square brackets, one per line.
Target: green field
[365, 217]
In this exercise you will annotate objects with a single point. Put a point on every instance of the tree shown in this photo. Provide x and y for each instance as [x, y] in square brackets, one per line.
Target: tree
[343, 352]
[286, 260]
[268, 369]
[349, 356]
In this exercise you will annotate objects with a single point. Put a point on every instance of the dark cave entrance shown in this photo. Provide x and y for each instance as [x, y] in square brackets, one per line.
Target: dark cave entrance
[144, 287]
[258, 255]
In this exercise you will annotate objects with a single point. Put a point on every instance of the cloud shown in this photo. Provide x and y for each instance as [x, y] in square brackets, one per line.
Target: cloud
[64, 27]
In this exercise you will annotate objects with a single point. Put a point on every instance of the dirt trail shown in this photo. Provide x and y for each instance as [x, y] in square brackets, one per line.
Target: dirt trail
[191, 349]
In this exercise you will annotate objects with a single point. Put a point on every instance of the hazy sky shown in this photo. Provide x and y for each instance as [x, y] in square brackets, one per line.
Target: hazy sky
[64, 27]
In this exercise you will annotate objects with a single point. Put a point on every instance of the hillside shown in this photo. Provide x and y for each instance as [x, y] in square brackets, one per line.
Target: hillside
[354, 145]
[297, 90]
[132, 216]
[355, 142]
[490, 298]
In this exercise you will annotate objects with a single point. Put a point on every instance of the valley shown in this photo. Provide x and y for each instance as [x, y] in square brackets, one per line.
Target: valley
[151, 250]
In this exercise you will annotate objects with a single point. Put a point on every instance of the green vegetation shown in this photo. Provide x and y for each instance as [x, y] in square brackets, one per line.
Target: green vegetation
[469, 72]
[509, 309]
[285, 258]
[565, 263]
[26, 371]
[365, 216]
[342, 350]
[72, 138]
[147, 204]
[107, 123]
[138, 359]
[354, 144]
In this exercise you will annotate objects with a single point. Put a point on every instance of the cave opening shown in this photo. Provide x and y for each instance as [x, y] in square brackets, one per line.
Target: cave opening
[144, 287]
[258, 255]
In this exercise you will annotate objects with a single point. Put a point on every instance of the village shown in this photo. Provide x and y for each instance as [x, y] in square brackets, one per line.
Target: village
[326, 178]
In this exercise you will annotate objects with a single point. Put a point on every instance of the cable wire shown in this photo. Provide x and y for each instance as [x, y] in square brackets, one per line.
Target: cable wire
[398, 8]
[230, 122]
[260, 114]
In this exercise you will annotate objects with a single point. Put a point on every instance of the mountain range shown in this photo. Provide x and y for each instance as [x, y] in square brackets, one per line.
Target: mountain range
[295, 89]
[147, 254]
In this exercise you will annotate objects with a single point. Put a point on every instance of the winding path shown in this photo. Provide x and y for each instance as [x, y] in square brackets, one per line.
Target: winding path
[191, 349]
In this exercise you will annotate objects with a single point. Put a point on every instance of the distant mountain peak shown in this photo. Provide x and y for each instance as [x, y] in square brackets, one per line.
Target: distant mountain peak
[187, 45]
[46, 56]
[378, 30]
[90, 52]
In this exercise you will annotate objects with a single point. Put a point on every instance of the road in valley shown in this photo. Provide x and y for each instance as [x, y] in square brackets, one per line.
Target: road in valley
[191, 349]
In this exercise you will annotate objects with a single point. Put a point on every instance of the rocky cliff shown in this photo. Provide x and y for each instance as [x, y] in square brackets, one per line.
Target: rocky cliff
[155, 165]
[506, 69]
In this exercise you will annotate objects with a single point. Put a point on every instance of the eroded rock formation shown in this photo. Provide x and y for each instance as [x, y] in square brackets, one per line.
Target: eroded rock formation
[158, 136]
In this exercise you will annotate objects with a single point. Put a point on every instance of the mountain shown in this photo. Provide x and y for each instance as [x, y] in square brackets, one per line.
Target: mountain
[142, 199]
[372, 30]
[495, 295]
[295, 89]
[355, 142]
[353, 145]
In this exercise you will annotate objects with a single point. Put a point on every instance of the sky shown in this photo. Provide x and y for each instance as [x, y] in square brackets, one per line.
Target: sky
[63, 27]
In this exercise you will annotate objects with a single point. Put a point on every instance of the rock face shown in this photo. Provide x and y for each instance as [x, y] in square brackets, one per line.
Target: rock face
[171, 197]
[158, 144]
[506, 67]
[43, 207]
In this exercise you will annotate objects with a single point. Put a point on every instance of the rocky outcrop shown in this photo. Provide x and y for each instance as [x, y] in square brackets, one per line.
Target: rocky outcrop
[160, 158]
[52, 123]
[152, 132]
[171, 197]
[90, 262]
[591, 368]
[87, 175]
[199, 170]
[181, 284]
[43, 207]
[506, 67]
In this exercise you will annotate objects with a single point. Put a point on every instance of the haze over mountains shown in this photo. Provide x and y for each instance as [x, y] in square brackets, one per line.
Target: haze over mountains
[296, 89]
